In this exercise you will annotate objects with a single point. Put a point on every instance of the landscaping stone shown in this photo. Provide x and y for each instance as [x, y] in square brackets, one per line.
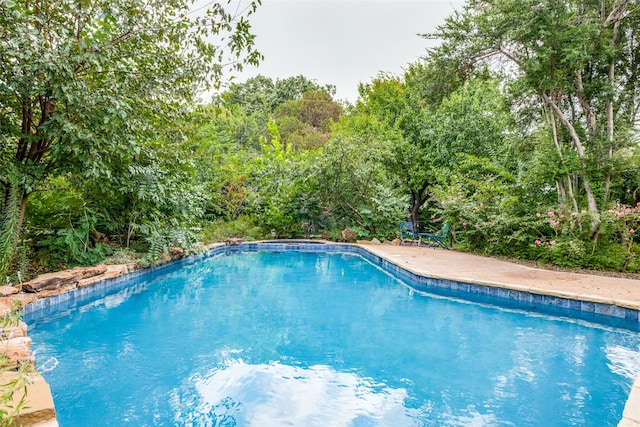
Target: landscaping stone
[24, 298]
[112, 272]
[5, 305]
[60, 289]
[39, 408]
[6, 291]
[14, 331]
[62, 279]
[176, 252]
[348, 234]
[15, 349]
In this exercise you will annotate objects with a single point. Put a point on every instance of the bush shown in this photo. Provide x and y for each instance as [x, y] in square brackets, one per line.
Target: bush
[245, 227]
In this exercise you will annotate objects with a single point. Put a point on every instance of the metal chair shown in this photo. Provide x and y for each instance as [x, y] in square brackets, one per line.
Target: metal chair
[437, 239]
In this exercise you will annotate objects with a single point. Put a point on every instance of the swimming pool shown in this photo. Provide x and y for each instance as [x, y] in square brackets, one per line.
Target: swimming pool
[322, 339]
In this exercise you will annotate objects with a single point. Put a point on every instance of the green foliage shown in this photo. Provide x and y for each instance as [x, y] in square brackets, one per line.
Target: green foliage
[72, 246]
[354, 189]
[246, 227]
[570, 64]
[93, 86]
[305, 123]
[260, 94]
[161, 240]
[381, 215]
[122, 256]
[9, 228]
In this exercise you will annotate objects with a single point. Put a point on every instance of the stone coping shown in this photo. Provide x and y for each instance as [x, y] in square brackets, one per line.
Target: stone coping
[631, 414]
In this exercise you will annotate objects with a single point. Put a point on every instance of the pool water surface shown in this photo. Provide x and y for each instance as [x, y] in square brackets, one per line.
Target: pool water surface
[323, 339]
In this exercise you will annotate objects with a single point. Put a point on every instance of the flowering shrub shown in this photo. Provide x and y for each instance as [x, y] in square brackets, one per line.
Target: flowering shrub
[623, 222]
[486, 213]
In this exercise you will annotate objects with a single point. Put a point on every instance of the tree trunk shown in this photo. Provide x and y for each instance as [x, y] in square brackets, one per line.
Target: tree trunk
[610, 113]
[417, 200]
[561, 188]
[592, 203]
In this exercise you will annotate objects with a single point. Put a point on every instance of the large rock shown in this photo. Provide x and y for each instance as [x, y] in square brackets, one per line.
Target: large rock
[14, 331]
[62, 279]
[113, 271]
[348, 234]
[233, 241]
[177, 252]
[6, 291]
[15, 349]
[38, 408]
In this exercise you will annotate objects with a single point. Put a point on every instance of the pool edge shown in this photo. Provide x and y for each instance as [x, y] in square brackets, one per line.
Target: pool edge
[584, 303]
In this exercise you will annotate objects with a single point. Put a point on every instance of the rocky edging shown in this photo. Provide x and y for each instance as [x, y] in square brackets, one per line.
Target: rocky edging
[38, 408]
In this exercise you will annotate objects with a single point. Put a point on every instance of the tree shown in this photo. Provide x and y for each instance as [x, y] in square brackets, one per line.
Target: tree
[84, 83]
[306, 123]
[429, 133]
[261, 94]
[577, 59]
[387, 101]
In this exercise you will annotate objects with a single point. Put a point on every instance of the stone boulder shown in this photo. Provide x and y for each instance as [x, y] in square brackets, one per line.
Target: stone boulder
[113, 271]
[16, 349]
[13, 331]
[6, 291]
[39, 408]
[177, 252]
[62, 281]
[348, 234]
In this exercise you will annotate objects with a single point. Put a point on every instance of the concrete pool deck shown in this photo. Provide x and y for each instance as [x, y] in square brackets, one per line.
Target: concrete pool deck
[468, 268]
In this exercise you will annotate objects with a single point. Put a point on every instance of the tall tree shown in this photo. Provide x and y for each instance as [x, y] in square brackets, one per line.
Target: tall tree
[578, 59]
[306, 123]
[430, 132]
[83, 83]
[261, 94]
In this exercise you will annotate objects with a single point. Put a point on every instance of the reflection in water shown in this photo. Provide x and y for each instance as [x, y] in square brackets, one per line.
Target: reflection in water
[298, 339]
[280, 395]
[473, 418]
[623, 361]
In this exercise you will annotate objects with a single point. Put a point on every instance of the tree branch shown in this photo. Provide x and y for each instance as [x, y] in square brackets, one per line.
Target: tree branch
[616, 13]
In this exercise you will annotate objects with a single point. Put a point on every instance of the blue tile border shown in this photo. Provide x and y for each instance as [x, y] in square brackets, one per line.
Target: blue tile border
[609, 314]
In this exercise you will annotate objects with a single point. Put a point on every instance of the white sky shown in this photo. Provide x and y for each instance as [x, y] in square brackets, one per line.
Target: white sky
[343, 42]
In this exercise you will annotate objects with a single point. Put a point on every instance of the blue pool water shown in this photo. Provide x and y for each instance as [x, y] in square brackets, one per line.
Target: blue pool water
[318, 339]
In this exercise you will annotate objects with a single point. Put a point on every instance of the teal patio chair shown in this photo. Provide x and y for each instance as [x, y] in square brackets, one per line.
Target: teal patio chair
[407, 232]
[437, 239]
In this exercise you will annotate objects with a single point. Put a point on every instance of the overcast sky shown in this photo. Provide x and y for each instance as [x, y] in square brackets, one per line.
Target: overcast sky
[343, 42]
